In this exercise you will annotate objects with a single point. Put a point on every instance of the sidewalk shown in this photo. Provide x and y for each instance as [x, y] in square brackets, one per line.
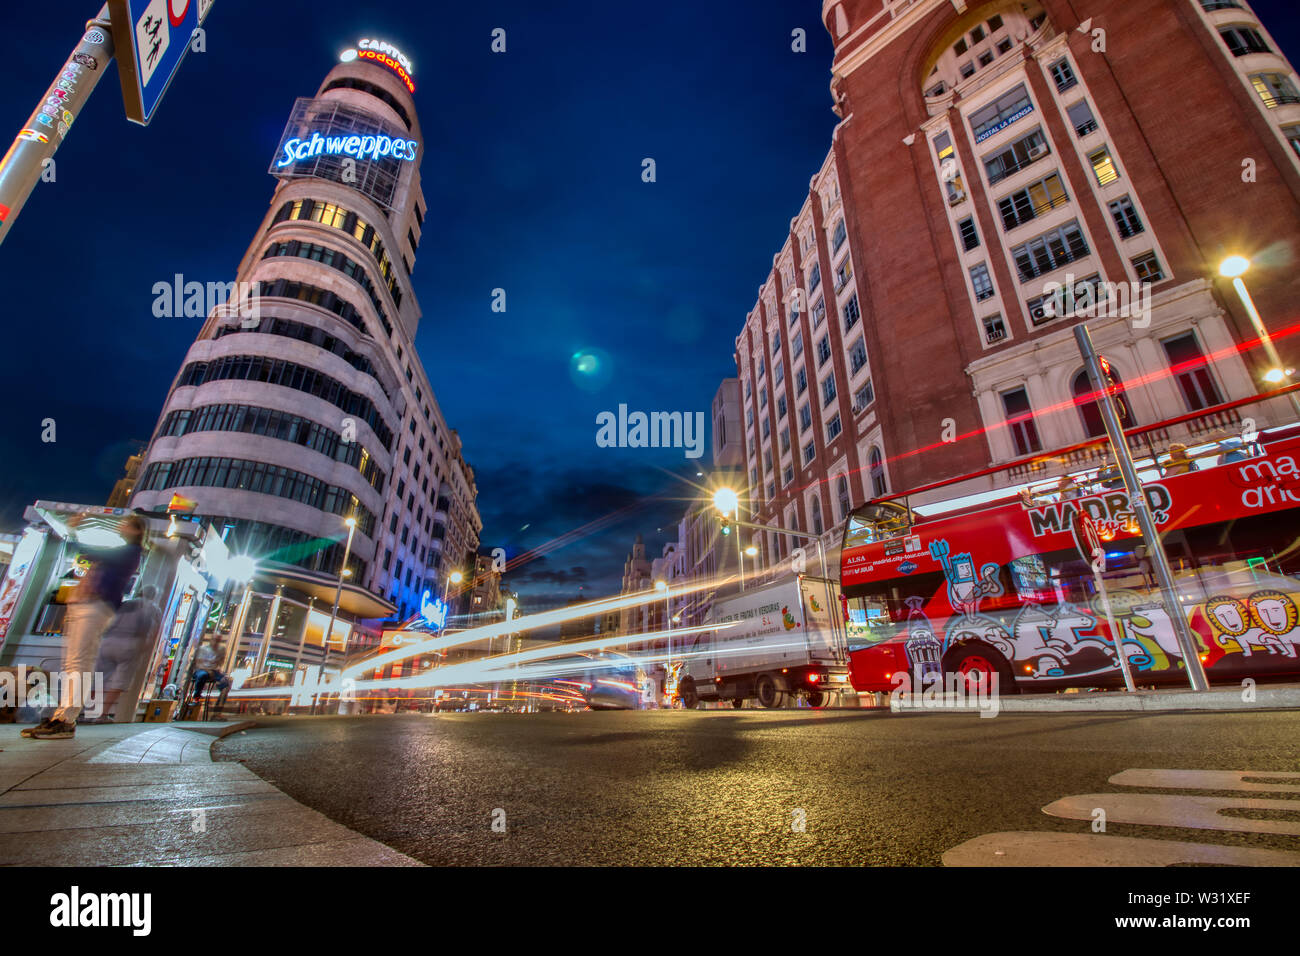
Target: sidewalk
[150, 795]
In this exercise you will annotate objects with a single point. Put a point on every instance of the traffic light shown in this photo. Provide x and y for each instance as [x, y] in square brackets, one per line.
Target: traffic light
[724, 522]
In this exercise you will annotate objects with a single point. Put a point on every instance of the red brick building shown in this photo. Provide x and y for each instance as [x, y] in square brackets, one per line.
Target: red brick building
[998, 175]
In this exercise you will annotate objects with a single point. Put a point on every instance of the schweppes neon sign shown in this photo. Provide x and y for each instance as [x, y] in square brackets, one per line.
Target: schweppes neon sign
[385, 54]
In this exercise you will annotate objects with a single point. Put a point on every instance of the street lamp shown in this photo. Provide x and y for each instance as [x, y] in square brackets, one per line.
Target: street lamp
[668, 625]
[351, 522]
[240, 570]
[1234, 267]
[728, 502]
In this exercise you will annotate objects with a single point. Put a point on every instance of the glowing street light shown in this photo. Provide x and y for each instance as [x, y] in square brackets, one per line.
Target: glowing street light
[728, 502]
[1234, 267]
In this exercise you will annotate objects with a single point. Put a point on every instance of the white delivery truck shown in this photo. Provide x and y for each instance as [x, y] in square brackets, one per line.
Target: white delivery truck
[772, 643]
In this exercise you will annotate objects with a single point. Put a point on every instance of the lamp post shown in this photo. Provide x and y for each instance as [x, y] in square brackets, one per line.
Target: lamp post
[1234, 267]
[241, 569]
[668, 626]
[344, 571]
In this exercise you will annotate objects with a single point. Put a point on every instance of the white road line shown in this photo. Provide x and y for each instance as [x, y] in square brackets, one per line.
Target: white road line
[1027, 848]
[1278, 781]
[1202, 813]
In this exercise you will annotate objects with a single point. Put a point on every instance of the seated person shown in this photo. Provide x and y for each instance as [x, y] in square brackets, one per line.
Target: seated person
[206, 658]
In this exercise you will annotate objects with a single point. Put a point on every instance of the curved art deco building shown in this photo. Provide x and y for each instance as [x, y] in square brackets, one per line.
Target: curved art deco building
[285, 421]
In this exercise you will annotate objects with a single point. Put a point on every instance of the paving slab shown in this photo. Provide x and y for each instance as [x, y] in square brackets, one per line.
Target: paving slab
[150, 795]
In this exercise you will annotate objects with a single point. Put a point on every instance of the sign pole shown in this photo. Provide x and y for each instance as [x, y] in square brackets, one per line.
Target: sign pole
[23, 165]
[1141, 510]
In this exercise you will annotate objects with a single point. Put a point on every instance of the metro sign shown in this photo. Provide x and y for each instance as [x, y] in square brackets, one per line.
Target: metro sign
[151, 38]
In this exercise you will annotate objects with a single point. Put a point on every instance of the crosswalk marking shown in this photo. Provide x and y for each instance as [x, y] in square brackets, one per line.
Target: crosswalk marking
[1256, 780]
[1029, 848]
[1201, 813]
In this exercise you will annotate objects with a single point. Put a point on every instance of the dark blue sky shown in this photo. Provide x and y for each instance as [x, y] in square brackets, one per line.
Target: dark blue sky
[531, 167]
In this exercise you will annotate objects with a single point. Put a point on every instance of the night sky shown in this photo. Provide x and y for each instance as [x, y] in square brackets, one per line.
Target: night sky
[532, 175]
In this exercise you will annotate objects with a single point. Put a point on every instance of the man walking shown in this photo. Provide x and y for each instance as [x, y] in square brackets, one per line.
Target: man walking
[91, 607]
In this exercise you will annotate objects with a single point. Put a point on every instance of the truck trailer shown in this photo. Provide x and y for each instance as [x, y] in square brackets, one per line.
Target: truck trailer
[773, 643]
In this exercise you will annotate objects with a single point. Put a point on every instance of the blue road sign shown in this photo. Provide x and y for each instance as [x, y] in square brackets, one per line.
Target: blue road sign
[151, 38]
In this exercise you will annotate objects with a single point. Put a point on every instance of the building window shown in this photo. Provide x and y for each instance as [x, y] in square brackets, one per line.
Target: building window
[985, 58]
[994, 330]
[851, 312]
[977, 34]
[840, 235]
[823, 350]
[819, 312]
[778, 372]
[1050, 251]
[1020, 421]
[1081, 118]
[1209, 6]
[828, 389]
[817, 528]
[876, 468]
[1029, 149]
[805, 417]
[1004, 45]
[1126, 217]
[800, 381]
[785, 440]
[1086, 402]
[1103, 167]
[967, 70]
[766, 428]
[749, 416]
[864, 397]
[1243, 41]
[1292, 134]
[1063, 75]
[1275, 89]
[787, 476]
[776, 343]
[1148, 268]
[1032, 201]
[833, 428]
[796, 344]
[948, 169]
[857, 355]
[995, 24]
[1192, 372]
[814, 278]
[843, 274]
[842, 496]
[809, 452]
[981, 282]
[970, 239]
[762, 397]
[1001, 113]
[780, 407]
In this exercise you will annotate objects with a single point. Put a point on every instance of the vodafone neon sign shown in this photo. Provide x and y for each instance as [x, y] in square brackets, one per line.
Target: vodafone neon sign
[385, 54]
[362, 147]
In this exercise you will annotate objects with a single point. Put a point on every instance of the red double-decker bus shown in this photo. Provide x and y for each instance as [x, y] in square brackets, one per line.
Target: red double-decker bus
[1011, 585]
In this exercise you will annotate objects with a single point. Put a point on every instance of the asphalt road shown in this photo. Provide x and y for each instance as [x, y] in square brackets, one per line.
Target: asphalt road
[724, 788]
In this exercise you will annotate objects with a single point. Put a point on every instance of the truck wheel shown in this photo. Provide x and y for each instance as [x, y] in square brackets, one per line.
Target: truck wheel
[816, 698]
[738, 702]
[766, 692]
[690, 698]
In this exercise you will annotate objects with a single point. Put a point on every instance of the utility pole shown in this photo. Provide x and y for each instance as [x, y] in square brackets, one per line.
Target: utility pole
[1142, 511]
[38, 141]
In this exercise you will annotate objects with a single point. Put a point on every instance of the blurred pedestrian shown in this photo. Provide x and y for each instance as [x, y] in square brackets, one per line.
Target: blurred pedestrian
[125, 651]
[206, 670]
[90, 610]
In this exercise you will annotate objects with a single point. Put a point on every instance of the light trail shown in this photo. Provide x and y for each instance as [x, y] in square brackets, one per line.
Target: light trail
[519, 625]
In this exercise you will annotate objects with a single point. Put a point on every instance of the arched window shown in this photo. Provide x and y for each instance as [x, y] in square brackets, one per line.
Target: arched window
[1090, 411]
[879, 484]
[817, 516]
[842, 493]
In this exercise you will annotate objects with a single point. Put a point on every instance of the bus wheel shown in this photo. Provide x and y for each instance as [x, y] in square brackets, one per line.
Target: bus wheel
[816, 698]
[690, 699]
[766, 692]
[737, 702]
[977, 664]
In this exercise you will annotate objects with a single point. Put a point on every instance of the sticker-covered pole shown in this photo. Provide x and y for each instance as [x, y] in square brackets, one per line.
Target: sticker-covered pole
[23, 165]
[1142, 511]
